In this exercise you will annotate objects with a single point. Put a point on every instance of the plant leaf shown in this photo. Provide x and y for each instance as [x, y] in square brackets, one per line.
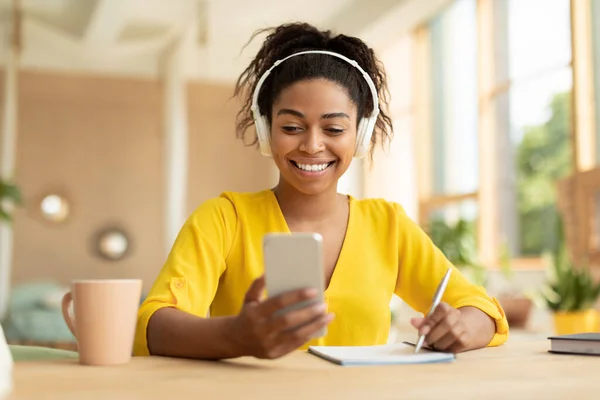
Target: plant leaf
[4, 215]
[11, 192]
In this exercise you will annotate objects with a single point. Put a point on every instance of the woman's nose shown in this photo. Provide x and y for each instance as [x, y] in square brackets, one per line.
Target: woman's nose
[312, 141]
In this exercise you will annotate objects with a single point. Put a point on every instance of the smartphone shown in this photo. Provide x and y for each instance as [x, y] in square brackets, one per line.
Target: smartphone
[294, 261]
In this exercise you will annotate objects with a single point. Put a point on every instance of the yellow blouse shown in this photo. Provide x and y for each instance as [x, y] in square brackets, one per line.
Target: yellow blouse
[218, 253]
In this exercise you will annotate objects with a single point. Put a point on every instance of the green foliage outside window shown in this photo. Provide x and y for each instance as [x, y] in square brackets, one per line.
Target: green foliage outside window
[543, 157]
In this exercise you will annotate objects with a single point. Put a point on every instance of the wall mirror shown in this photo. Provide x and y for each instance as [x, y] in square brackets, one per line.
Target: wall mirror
[112, 244]
[54, 208]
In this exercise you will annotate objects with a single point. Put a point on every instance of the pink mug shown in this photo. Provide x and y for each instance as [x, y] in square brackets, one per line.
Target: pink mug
[105, 312]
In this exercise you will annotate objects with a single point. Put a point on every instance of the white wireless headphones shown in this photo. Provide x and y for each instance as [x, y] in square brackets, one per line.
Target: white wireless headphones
[365, 127]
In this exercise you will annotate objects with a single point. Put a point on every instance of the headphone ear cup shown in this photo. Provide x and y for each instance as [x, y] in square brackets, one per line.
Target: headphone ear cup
[360, 138]
[263, 134]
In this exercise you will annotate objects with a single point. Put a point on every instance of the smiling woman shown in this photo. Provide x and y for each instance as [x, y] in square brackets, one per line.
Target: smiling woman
[317, 100]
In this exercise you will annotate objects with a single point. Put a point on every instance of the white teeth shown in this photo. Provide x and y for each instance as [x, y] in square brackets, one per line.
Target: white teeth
[312, 167]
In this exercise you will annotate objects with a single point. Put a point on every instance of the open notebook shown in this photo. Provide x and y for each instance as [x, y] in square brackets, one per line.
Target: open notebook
[397, 353]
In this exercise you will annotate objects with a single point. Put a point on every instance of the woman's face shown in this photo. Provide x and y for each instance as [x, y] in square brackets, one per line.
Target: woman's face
[313, 134]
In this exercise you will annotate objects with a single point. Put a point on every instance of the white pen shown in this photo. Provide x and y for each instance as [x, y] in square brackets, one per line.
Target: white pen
[436, 300]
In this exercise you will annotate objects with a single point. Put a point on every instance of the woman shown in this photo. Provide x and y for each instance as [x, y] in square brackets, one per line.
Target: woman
[313, 112]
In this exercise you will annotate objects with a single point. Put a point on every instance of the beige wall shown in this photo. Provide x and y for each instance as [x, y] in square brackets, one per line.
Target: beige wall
[218, 161]
[98, 141]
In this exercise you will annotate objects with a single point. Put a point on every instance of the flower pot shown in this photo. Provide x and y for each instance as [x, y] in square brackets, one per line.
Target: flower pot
[517, 310]
[570, 322]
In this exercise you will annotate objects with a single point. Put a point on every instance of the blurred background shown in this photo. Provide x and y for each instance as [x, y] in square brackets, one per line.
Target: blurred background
[117, 121]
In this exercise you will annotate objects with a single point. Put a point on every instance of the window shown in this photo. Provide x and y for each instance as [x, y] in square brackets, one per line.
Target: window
[453, 118]
[454, 99]
[500, 131]
[539, 96]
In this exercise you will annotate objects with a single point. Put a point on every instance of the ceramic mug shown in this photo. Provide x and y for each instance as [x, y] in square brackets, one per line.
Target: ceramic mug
[105, 314]
[6, 368]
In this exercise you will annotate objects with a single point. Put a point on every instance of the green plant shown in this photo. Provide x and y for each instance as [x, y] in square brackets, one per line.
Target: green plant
[10, 195]
[568, 288]
[459, 245]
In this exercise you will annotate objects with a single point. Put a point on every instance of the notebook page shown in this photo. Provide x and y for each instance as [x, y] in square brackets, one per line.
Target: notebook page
[397, 353]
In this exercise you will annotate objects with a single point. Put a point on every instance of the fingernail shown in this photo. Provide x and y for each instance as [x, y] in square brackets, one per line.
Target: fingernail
[424, 330]
[330, 317]
[310, 292]
[320, 307]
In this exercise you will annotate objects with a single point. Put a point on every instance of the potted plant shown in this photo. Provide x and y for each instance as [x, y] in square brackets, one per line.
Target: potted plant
[570, 294]
[10, 195]
[458, 243]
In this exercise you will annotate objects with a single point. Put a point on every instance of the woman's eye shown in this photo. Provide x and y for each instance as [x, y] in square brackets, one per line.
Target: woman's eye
[297, 129]
[291, 129]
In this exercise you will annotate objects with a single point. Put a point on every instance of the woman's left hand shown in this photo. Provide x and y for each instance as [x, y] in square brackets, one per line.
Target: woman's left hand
[456, 330]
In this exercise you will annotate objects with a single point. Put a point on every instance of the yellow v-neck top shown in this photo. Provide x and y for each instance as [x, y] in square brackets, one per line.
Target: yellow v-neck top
[218, 253]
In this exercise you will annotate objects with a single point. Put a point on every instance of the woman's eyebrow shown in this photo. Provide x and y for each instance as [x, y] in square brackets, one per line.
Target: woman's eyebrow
[298, 114]
[291, 112]
[335, 115]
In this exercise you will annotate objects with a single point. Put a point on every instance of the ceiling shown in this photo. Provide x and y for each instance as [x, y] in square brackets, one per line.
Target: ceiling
[132, 37]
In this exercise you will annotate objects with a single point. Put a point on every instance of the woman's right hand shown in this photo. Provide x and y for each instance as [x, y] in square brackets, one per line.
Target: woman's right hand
[261, 332]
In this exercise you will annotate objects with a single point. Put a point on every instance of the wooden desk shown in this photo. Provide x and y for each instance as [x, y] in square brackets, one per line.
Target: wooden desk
[522, 370]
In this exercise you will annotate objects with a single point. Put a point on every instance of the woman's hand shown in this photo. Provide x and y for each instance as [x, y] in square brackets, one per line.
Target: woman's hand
[456, 330]
[261, 332]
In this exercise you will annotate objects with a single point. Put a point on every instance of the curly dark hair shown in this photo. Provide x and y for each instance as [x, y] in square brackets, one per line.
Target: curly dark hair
[288, 39]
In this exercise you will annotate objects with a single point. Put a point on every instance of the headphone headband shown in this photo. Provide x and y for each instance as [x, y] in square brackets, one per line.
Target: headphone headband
[366, 76]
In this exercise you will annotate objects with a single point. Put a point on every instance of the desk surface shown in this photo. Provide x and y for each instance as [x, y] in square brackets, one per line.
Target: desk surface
[521, 369]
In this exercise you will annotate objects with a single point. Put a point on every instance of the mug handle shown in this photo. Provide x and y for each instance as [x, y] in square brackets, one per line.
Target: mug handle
[66, 302]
